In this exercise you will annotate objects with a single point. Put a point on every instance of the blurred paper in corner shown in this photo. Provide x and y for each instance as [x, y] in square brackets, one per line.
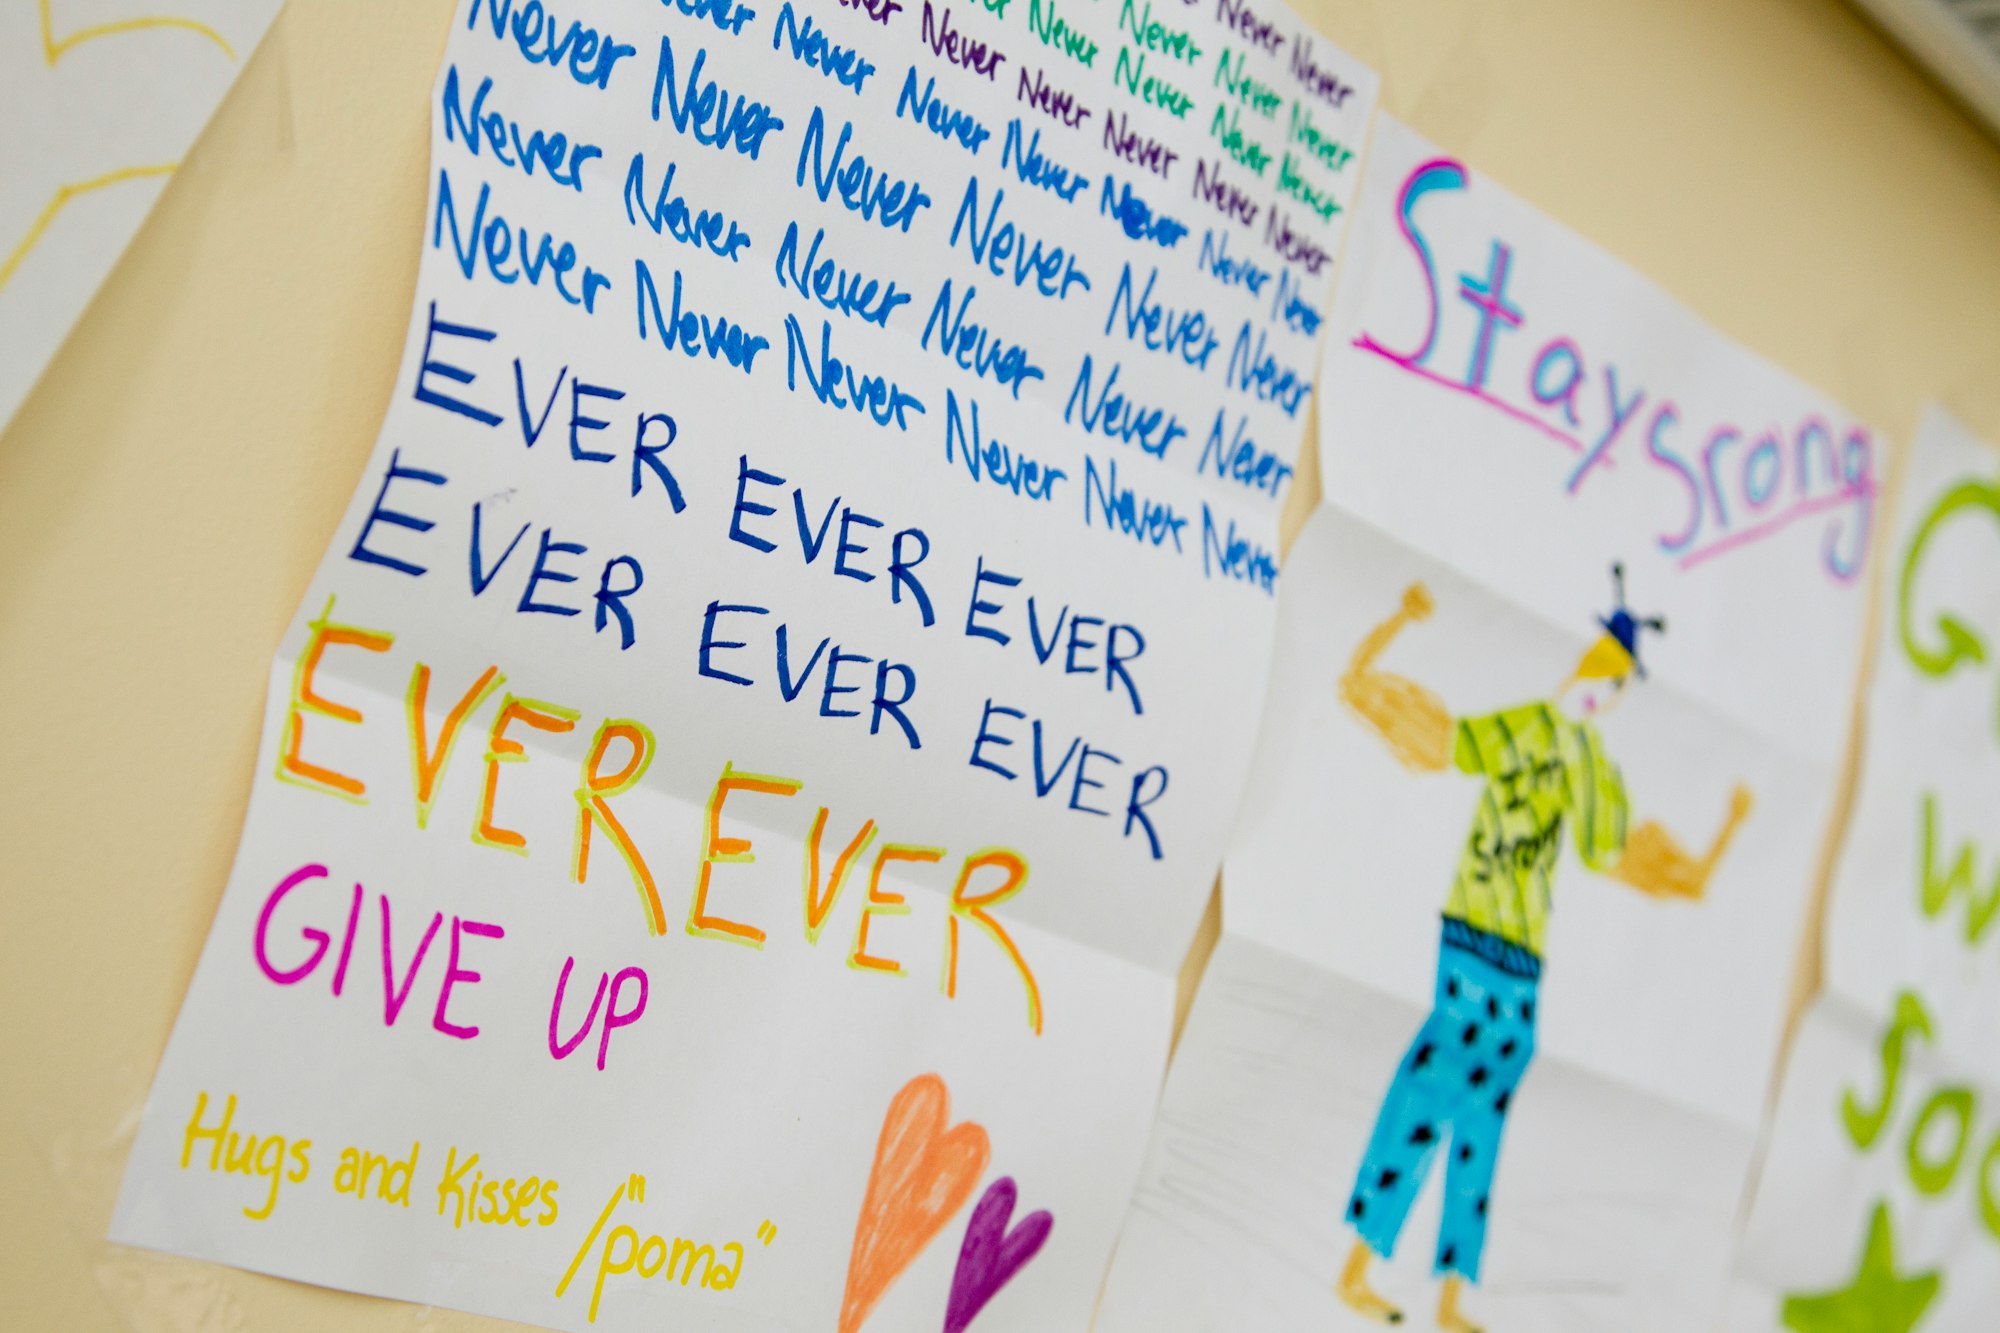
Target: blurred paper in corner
[104, 101]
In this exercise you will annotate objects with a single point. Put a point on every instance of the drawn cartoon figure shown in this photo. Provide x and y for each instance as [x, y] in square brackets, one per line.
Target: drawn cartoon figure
[1543, 765]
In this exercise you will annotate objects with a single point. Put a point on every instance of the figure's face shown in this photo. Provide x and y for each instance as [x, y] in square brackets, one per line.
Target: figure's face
[1586, 699]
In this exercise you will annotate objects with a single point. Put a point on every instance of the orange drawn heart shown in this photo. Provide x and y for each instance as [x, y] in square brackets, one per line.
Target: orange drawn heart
[925, 1170]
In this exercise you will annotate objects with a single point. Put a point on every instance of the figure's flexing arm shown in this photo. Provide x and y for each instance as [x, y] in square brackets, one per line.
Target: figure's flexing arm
[1412, 720]
[1654, 863]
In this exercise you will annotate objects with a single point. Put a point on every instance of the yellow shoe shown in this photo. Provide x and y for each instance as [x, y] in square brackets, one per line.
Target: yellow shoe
[1357, 1295]
[1449, 1317]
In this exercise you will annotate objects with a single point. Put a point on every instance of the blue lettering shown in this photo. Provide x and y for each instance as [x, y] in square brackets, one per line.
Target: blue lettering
[1036, 169]
[1257, 372]
[1237, 457]
[1230, 271]
[590, 55]
[691, 332]
[987, 737]
[1122, 509]
[560, 160]
[1293, 307]
[1184, 333]
[745, 474]
[1226, 555]
[578, 391]
[840, 290]
[669, 214]
[726, 15]
[979, 607]
[542, 573]
[445, 370]
[973, 347]
[959, 127]
[705, 111]
[481, 576]
[611, 601]
[992, 460]
[861, 187]
[1136, 218]
[1153, 429]
[1053, 268]
[494, 242]
[810, 47]
[378, 513]
[711, 645]
[880, 400]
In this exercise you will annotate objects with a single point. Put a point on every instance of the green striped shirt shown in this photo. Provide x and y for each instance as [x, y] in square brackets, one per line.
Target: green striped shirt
[1540, 768]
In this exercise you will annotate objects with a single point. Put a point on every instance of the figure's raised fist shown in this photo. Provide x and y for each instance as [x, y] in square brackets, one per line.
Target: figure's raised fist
[1741, 803]
[1417, 603]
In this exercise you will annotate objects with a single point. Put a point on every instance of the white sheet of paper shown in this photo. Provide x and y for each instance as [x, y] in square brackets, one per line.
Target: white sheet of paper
[102, 100]
[1268, 1106]
[1655, 1025]
[1892, 1093]
[918, 584]
[1740, 500]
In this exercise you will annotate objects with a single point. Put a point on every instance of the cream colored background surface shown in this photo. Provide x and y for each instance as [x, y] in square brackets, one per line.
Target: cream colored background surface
[165, 492]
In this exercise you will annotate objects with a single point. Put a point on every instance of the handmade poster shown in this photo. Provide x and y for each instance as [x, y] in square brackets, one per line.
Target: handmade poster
[742, 781]
[1511, 910]
[1876, 1204]
[102, 100]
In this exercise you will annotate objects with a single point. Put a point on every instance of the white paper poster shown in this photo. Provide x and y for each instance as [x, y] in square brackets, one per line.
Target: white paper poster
[738, 789]
[1877, 1207]
[1511, 909]
[101, 99]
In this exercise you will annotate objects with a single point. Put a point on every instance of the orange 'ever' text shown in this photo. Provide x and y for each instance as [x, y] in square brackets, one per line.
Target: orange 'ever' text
[618, 755]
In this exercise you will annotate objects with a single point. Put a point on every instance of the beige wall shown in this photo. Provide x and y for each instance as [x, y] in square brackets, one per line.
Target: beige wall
[166, 491]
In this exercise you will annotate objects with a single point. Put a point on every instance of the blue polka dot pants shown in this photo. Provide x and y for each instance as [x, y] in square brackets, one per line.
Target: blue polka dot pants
[1450, 1095]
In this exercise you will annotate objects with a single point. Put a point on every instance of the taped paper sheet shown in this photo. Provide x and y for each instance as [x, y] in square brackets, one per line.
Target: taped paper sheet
[102, 99]
[1876, 1206]
[737, 792]
[1560, 662]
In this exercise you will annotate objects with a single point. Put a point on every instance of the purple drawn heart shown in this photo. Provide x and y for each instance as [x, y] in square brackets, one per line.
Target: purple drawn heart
[992, 1254]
